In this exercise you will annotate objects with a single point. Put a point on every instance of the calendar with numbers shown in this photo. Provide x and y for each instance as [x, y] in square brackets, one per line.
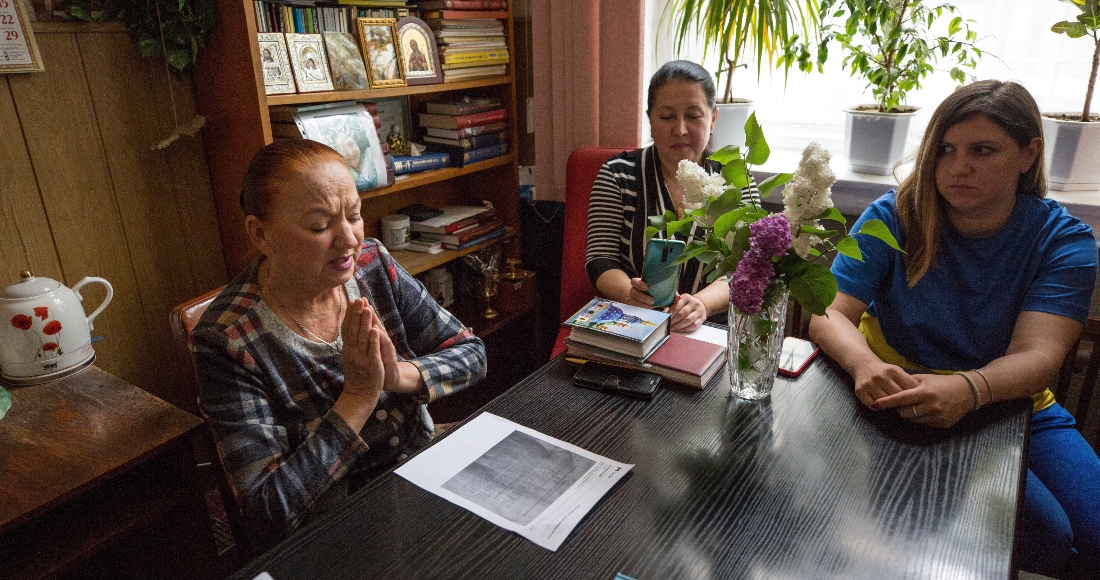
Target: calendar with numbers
[18, 51]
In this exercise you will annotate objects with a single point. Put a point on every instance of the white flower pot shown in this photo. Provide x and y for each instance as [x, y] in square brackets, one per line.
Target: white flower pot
[1072, 154]
[874, 141]
[729, 129]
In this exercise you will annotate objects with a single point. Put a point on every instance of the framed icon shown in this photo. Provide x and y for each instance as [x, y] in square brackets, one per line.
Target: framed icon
[275, 63]
[307, 58]
[419, 53]
[378, 39]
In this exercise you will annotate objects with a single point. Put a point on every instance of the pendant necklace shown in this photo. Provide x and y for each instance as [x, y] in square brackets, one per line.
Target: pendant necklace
[332, 344]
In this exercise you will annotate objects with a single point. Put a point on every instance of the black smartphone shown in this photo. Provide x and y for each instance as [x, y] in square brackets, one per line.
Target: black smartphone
[617, 380]
[796, 356]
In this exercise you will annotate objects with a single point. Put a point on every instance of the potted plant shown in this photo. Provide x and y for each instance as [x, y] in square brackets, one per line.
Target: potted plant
[740, 29]
[1073, 140]
[892, 45]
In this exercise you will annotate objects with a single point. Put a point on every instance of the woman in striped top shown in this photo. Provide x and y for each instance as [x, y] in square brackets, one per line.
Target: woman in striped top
[635, 185]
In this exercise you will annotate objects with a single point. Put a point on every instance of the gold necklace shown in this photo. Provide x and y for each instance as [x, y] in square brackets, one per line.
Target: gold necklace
[340, 316]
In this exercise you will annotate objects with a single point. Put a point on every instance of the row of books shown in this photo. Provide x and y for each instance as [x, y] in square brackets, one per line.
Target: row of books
[314, 18]
[471, 42]
[638, 338]
[468, 130]
[459, 227]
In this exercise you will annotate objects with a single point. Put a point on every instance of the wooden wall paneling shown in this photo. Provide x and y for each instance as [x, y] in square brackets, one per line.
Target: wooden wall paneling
[122, 99]
[69, 161]
[25, 241]
[190, 181]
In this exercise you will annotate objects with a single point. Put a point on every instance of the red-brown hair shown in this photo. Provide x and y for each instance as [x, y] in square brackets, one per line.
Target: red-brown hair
[278, 162]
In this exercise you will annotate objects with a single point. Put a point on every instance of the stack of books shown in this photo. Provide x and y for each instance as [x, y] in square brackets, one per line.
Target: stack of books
[459, 227]
[468, 130]
[470, 36]
[638, 338]
[293, 122]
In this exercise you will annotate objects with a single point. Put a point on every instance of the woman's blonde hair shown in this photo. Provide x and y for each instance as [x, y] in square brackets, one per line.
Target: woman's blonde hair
[1011, 107]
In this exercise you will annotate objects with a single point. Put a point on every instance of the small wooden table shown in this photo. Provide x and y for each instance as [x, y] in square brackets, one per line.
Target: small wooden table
[86, 461]
[808, 484]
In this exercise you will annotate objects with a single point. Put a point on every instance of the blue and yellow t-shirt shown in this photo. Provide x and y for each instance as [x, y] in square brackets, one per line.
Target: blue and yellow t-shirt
[961, 313]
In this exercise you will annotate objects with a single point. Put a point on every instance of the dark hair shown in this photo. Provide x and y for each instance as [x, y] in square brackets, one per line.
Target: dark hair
[1008, 105]
[683, 71]
[278, 162]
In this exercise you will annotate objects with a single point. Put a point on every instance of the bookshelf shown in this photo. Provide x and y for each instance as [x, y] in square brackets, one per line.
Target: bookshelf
[230, 92]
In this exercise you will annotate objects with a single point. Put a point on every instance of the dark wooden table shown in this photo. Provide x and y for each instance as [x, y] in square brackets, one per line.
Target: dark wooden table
[806, 485]
[89, 463]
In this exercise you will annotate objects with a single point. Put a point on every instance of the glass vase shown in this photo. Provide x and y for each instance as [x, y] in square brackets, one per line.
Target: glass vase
[755, 342]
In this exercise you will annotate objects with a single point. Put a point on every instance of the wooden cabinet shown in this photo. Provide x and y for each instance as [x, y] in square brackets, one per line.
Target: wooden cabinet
[229, 85]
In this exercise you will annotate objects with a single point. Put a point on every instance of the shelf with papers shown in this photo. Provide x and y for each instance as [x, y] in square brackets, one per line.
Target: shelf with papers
[418, 262]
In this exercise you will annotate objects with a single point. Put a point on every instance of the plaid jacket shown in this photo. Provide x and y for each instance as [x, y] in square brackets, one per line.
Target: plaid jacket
[267, 393]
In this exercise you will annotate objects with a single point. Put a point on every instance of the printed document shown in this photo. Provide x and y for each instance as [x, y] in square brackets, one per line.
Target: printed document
[515, 477]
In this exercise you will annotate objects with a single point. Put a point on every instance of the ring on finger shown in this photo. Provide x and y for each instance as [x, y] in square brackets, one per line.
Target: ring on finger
[916, 414]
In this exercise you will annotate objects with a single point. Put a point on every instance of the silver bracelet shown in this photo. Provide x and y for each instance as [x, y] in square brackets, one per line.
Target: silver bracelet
[974, 388]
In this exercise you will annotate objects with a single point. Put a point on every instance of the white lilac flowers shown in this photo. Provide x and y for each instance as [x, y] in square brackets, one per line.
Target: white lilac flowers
[808, 194]
[699, 186]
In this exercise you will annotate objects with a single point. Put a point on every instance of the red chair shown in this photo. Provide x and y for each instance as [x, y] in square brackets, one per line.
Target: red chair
[580, 173]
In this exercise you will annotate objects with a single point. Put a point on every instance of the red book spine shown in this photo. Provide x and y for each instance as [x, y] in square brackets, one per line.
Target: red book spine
[483, 118]
[452, 228]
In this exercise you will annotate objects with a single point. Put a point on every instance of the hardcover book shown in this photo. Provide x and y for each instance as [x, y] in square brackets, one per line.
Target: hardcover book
[619, 327]
[468, 131]
[462, 158]
[462, 121]
[500, 231]
[411, 164]
[478, 57]
[461, 74]
[689, 359]
[453, 218]
[465, 234]
[464, 106]
[275, 63]
[464, 14]
[469, 143]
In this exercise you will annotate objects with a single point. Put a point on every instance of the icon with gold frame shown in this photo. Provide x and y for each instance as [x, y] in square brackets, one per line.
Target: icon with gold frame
[381, 53]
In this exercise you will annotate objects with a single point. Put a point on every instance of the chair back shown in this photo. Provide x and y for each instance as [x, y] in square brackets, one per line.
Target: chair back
[580, 174]
[182, 320]
[1077, 381]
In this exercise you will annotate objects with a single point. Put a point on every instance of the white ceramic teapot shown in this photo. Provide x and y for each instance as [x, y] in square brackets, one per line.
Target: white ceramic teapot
[44, 333]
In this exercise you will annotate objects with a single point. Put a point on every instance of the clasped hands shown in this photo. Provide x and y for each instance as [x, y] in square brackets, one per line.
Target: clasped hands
[688, 312]
[929, 399]
[370, 360]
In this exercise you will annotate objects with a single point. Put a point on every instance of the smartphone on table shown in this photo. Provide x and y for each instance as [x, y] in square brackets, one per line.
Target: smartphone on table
[660, 272]
[796, 356]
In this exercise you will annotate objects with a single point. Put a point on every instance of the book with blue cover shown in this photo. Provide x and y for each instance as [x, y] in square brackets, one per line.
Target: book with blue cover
[414, 163]
[619, 327]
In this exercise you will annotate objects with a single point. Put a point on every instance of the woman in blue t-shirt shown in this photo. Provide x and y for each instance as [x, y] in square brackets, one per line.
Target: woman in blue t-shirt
[991, 293]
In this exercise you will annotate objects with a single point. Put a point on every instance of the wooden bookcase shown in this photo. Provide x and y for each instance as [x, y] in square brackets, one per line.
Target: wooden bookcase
[230, 91]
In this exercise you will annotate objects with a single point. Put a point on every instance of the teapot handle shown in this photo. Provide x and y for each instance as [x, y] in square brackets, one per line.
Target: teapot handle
[106, 300]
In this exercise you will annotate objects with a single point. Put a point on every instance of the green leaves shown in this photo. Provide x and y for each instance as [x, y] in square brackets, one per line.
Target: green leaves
[877, 229]
[758, 150]
[768, 185]
[1070, 29]
[814, 289]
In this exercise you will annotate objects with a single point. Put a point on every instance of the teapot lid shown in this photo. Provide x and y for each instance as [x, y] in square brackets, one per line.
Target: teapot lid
[30, 286]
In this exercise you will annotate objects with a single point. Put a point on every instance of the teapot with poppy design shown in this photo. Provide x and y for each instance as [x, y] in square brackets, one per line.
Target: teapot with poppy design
[44, 333]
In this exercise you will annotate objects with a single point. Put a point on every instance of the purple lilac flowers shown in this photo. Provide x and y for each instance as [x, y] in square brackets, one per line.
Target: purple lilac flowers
[771, 237]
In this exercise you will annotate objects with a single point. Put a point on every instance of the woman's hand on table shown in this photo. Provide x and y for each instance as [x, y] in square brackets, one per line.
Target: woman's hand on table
[877, 381]
[688, 313]
[937, 401]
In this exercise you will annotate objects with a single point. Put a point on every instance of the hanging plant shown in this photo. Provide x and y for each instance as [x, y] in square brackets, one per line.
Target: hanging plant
[174, 29]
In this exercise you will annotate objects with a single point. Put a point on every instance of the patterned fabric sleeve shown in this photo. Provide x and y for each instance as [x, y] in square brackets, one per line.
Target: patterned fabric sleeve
[449, 356]
[276, 481]
[605, 223]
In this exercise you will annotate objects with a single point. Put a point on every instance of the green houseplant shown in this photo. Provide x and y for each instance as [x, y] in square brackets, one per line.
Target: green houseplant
[1073, 141]
[894, 45]
[739, 30]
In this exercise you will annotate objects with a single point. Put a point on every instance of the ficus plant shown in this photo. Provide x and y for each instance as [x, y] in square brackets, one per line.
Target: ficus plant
[891, 43]
[1086, 24]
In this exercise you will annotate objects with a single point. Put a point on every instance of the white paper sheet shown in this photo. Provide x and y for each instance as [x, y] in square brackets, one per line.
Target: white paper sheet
[709, 334]
[515, 477]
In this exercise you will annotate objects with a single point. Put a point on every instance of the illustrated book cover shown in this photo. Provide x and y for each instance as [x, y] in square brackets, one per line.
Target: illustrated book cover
[351, 132]
[619, 327]
[275, 62]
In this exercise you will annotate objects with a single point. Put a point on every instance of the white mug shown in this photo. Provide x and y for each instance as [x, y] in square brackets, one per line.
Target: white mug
[395, 232]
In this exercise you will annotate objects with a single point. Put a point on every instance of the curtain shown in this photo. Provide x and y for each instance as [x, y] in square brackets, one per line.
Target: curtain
[587, 66]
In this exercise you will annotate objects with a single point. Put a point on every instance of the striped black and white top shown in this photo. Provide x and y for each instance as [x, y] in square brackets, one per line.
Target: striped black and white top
[629, 188]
